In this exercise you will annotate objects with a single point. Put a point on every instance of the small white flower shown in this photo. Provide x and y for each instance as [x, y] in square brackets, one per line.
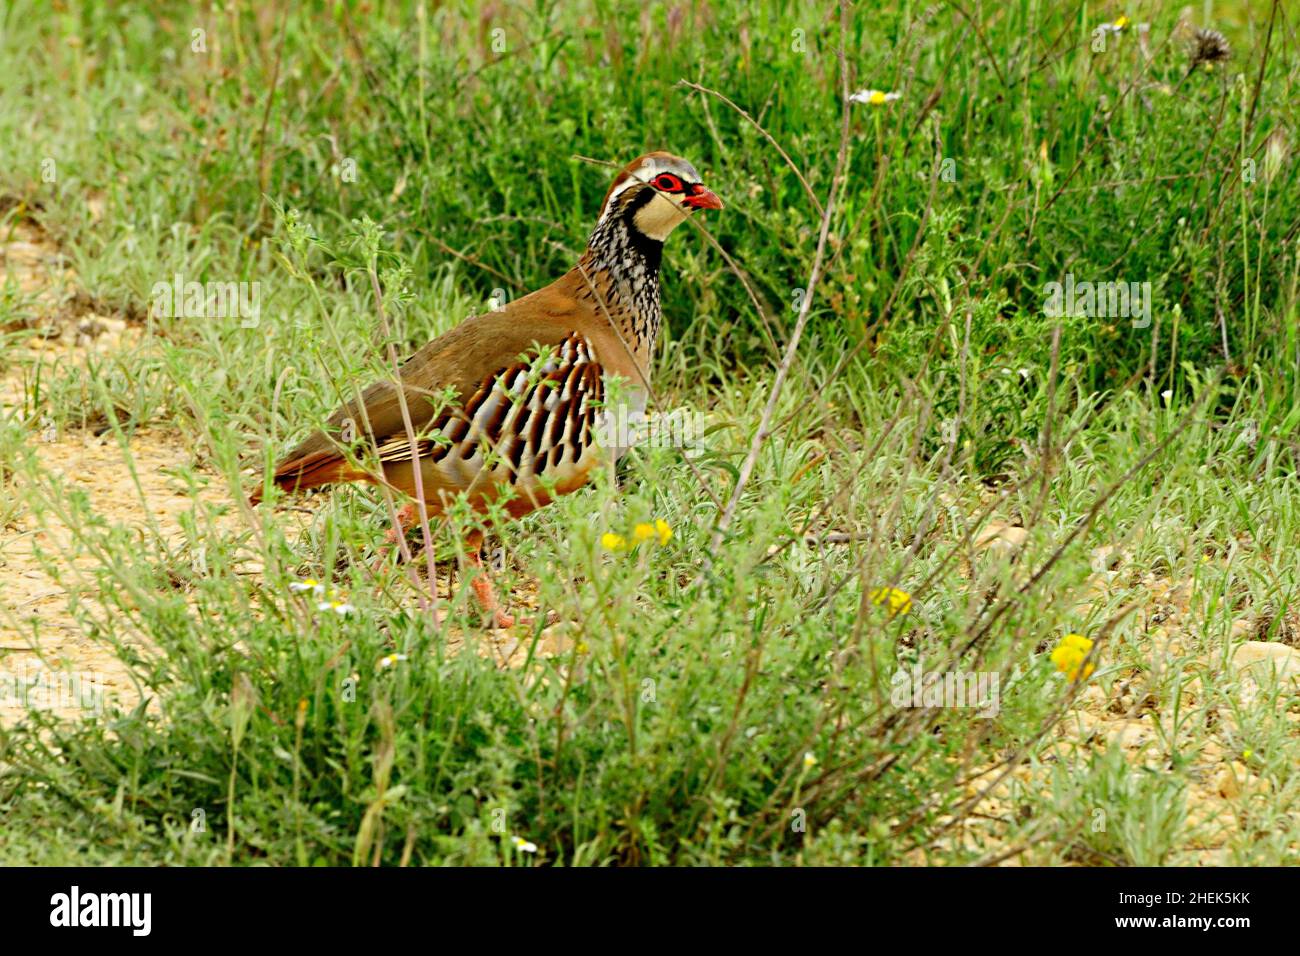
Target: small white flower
[810, 760]
[341, 608]
[308, 584]
[874, 97]
[391, 659]
[1167, 394]
[522, 845]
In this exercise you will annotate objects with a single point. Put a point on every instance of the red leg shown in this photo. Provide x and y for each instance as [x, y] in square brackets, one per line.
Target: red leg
[407, 515]
[482, 584]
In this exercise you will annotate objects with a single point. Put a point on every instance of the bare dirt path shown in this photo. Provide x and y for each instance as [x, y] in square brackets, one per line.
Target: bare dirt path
[41, 561]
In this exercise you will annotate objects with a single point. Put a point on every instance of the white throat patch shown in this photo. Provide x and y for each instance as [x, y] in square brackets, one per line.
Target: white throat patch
[659, 217]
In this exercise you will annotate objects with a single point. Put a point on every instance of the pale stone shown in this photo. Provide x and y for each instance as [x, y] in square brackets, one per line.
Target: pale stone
[1263, 658]
[1001, 537]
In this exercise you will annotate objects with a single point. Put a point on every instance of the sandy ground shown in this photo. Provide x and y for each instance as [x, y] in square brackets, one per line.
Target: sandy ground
[1224, 793]
[43, 645]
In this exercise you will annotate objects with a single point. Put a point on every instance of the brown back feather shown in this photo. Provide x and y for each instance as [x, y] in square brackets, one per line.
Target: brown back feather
[477, 349]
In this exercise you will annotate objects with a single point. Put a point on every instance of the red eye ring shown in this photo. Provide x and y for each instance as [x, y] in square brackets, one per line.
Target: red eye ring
[668, 183]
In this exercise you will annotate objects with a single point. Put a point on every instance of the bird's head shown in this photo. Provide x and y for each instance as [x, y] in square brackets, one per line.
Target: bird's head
[656, 193]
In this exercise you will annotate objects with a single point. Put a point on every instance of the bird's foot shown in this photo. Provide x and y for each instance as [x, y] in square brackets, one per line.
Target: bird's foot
[487, 600]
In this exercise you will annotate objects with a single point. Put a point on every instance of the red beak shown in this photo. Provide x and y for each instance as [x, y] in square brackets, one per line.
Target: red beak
[702, 197]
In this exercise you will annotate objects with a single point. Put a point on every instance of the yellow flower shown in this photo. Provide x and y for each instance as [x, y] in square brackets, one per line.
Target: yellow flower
[1247, 754]
[900, 602]
[1077, 641]
[809, 760]
[660, 531]
[1121, 22]
[1069, 655]
[613, 542]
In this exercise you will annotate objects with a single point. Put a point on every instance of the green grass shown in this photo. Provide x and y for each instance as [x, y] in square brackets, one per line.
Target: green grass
[930, 394]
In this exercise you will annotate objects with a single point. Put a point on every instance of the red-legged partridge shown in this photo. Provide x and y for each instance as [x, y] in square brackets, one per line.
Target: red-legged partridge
[527, 382]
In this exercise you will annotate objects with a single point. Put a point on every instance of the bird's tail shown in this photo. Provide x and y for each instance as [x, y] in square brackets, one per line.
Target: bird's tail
[310, 471]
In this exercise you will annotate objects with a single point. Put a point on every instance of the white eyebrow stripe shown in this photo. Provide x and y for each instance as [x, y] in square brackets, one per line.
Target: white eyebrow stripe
[623, 187]
[647, 172]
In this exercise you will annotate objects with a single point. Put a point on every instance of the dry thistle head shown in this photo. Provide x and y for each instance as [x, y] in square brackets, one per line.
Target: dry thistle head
[1209, 46]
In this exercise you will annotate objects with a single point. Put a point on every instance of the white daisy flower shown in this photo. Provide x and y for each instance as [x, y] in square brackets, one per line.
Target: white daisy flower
[874, 97]
[341, 608]
[523, 846]
[1112, 29]
[307, 584]
[390, 660]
